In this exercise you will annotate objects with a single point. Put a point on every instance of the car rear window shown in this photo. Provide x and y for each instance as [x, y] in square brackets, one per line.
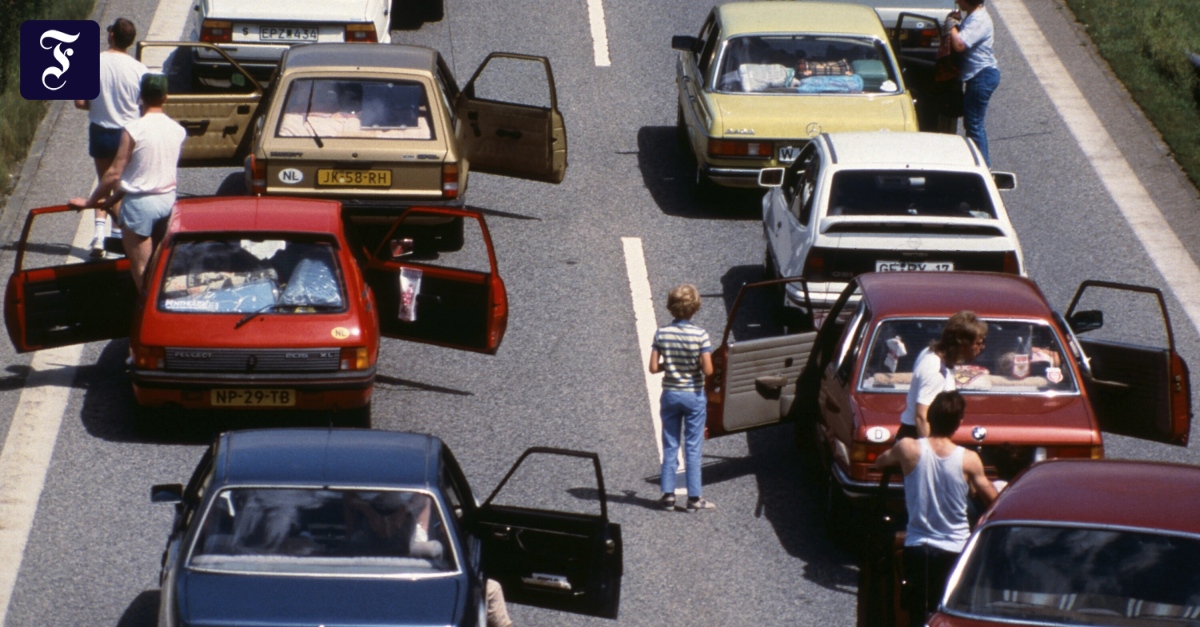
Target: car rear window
[1019, 357]
[323, 531]
[909, 193]
[1075, 576]
[356, 109]
[248, 275]
[806, 64]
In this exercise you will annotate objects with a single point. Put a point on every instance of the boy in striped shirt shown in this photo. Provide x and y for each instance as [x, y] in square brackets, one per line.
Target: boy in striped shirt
[683, 353]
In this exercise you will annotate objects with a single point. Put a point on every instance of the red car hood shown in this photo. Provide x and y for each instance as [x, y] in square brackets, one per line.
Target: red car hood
[1060, 420]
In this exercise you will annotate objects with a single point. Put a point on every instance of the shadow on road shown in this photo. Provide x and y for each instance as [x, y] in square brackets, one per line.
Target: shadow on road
[668, 171]
[142, 611]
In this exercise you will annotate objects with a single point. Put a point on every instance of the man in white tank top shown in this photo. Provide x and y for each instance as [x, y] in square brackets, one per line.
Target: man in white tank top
[939, 478]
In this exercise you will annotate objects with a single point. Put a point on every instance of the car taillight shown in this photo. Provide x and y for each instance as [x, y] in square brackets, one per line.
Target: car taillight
[355, 358]
[450, 180]
[929, 38]
[148, 357]
[255, 170]
[216, 31]
[814, 266]
[1076, 452]
[499, 320]
[361, 33]
[739, 148]
[1010, 263]
[863, 453]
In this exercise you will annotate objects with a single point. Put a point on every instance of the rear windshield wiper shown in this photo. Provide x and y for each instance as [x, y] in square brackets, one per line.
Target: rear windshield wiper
[250, 316]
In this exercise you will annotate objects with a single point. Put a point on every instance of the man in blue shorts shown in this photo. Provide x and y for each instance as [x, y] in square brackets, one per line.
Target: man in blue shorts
[116, 106]
[143, 173]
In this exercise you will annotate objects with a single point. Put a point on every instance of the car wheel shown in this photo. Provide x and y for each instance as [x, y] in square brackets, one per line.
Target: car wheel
[768, 265]
[705, 187]
[681, 129]
[434, 10]
[149, 422]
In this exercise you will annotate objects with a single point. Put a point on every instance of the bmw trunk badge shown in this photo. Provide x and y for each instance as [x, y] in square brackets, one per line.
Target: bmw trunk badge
[979, 433]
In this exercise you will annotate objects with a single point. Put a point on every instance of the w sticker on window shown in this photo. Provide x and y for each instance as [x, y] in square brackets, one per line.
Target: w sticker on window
[60, 59]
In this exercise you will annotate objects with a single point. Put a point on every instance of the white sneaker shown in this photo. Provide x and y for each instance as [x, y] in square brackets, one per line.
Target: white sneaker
[98, 247]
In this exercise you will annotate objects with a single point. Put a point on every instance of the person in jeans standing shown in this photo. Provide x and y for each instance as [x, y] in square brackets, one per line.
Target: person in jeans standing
[683, 353]
[974, 38]
[109, 112]
[939, 477]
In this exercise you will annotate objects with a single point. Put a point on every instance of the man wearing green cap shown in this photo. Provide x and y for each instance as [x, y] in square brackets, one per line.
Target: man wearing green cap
[143, 173]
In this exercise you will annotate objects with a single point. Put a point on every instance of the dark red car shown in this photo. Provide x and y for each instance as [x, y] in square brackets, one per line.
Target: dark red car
[1037, 391]
[1101, 543]
[263, 303]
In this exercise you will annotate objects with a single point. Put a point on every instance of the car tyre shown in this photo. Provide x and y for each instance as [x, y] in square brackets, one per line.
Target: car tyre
[149, 422]
[681, 133]
[434, 10]
[356, 418]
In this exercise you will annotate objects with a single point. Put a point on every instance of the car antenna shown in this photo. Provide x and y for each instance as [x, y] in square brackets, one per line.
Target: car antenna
[308, 110]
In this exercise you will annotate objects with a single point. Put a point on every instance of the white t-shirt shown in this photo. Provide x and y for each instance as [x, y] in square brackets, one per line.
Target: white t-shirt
[120, 90]
[930, 378]
[157, 142]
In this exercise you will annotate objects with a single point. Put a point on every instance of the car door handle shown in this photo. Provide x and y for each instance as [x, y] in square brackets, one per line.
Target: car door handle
[503, 132]
[194, 128]
[243, 109]
[229, 130]
[502, 533]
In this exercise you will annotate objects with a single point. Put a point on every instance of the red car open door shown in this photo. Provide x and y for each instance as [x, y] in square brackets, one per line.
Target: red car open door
[758, 365]
[72, 303]
[1137, 382]
[435, 281]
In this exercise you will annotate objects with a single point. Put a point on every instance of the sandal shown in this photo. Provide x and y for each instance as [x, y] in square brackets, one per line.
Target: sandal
[667, 502]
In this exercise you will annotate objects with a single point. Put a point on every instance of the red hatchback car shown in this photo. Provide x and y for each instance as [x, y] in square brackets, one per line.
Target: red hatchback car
[1037, 391]
[1070, 542]
[263, 303]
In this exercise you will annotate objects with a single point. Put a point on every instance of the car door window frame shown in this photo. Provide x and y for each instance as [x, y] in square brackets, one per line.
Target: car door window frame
[847, 352]
[705, 59]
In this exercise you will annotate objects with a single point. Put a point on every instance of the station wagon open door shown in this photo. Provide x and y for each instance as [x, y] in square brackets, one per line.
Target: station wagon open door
[435, 281]
[757, 367]
[564, 560]
[508, 119]
[64, 304]
[216, 111]
[1139, 387]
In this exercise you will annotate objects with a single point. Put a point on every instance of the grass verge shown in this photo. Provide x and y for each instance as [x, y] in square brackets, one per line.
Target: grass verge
[19, 118]
[1146, 43]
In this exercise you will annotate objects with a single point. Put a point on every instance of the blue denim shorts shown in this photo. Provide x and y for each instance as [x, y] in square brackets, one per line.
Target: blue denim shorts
[103, 141]
[144, 213]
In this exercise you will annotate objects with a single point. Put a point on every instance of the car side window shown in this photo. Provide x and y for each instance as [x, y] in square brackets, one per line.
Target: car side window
[447, 88]
[851, 342]
[807, 186]
[453, 494]
[711, 36]
[797, 176]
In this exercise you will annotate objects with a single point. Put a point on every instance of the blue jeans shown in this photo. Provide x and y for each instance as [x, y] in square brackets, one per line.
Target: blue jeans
[682, 411]
[975, 102]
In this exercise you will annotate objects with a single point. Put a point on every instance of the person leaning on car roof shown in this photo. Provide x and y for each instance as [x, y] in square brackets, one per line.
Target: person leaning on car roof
[939, 477]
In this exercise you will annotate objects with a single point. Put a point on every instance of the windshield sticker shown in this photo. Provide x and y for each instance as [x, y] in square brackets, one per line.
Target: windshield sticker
[1054, 375]
[410, 286]
[191, 305]
[887, 86]
[340, 333]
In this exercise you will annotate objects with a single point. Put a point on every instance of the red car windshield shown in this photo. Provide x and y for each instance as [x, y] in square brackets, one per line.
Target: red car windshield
[1078, 576]
[240, 276]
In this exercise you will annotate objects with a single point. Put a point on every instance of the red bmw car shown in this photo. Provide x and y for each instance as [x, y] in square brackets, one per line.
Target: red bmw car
[1037, 391]
[263, 303]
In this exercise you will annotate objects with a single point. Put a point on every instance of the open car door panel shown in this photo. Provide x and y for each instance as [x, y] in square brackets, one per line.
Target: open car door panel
[910, 42]
[216, 111]
[758, 366]
[513, 127]
[560, 560]
[66, 304]
[1136, 390]
[435, 281]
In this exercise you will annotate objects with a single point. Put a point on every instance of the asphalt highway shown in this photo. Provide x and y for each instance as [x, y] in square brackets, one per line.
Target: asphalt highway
[570, 371]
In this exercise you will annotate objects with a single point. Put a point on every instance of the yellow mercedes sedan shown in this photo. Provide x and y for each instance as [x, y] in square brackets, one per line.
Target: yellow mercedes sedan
[763, 78]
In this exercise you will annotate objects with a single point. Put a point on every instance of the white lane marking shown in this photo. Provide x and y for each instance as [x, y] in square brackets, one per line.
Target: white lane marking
[1144, 217]
[29, 445]
[644, 320]
[30, 441]
[599, 33]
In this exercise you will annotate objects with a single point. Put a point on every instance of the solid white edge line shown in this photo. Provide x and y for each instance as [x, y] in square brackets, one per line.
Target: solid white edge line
[29, 445]
[1162, 245]
[599, 33]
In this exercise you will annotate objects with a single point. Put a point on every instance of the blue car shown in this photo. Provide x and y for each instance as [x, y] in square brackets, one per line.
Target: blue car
[290, 527]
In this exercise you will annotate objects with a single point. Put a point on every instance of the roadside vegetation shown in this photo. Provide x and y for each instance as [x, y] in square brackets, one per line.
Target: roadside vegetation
[19, 118]
[1147, 43]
